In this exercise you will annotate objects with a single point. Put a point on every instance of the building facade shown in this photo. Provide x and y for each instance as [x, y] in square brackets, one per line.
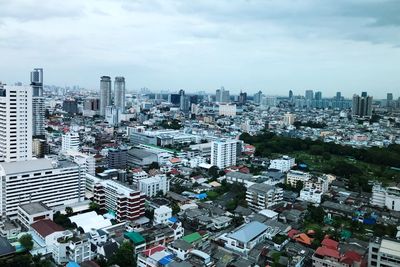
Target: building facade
[38, 103]
[119, 93]
[152, 185]
[70, 141]
[105, 94]
[263, 196]
[223, 153]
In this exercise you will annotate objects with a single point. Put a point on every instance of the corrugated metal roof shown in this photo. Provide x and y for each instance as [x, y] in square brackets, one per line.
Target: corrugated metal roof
[249, 232]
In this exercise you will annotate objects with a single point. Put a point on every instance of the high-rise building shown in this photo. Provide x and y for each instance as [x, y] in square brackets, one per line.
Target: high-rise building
[222, 95]
[105, 94]
[257, 97]
[242, 97]
[309, 94]
[290, 94]
[119, 91]
[223, 153]
[70, 106]
[389, 97]
[362, 106]
[38, 105]
[52, 182]
[318, 95]
[338, 96]
[153, 185]
[15, 123]
[39, 148]
[288, 119]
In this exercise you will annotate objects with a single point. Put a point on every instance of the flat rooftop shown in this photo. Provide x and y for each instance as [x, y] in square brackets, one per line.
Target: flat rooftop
[34, 208]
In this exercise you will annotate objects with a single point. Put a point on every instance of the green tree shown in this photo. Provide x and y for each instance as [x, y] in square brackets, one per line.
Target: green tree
[124, 256]
[154, 165]
[69, 211]
[94, 206]
[26, 241]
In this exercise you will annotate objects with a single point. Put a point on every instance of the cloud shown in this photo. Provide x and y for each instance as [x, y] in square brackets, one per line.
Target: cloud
[241, 44]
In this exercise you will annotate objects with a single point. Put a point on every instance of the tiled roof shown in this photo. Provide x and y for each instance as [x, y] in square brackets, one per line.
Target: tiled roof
[46, 227]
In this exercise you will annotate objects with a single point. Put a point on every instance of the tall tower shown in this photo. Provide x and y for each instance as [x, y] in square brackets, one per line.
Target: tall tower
[16, 123]
[105, 94]
[119, 93]
[38, 106]
[362, 106]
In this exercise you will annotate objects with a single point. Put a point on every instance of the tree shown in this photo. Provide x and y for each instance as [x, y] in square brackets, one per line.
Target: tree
[26, 241]
[213, 172]
[154, 165]
[69, 211]
[124, 256]
[94, 206]
[175, 208]
[315, 214]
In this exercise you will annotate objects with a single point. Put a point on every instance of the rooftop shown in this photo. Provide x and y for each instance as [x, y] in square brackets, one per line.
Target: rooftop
[46, 227]
[249, 231]
[34, 208]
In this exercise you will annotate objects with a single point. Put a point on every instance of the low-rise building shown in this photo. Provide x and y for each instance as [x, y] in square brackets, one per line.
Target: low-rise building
[384, 253]
[282, 164]
[263, 196]
[33, 212]
[153, 185]
[293, 177]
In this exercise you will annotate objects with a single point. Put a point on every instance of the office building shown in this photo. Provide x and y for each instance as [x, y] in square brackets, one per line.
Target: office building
[153, 185]
[127, 203]
[362, 105]
[384, 253]
[223, 153]
[174, 99]
[15, 123]
[38, 105]
[105, 94]
[70, 106]
[119, 93]
[117, 158]
[70, 141]
[263, 196]
[222, 95]
[50, 181]
[309, 94]
[318, 95]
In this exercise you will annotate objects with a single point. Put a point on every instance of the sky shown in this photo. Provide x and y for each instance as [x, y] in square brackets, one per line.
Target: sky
[250, 45]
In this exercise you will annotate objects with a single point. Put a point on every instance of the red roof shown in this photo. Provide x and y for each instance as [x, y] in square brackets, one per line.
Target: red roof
[151, 251]
[293, 232]
[328, 252]
[330, 243]
[46, 227]
[350, 257]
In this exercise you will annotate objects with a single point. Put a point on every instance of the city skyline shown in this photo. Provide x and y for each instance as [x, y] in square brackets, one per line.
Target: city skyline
[273, 46]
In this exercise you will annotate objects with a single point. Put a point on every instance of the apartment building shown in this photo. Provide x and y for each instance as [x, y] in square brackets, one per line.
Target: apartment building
[85, 161]
[223, 153]
[128, 204]
[70, 141]
[384, 253]
[282, 164]
[293, 177]
[152, 185]
[263, 196]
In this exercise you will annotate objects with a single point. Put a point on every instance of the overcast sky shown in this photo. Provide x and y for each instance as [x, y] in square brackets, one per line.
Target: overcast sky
[272, 46]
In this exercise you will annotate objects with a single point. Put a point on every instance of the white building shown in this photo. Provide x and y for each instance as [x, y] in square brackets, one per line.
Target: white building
[112, 115]
[70, 141]
[311, 195]
[386, 197]
[263, 196]
[223, 153]
[283, 164]
[33, 212]
[51, 182]
[85, 161]
[38, 103]
[227, 110]
[320, 183]
[384, 253]
[288, 119]
[152, 185]
[15, 123]
[72, 247]
[293, 177]
[162, 214]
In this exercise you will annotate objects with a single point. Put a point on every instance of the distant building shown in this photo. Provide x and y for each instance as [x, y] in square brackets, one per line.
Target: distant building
[257, 97]
[295, 176]
[288, 119]
[222, 96]
[318, 95]
[386, 197]
[362, 105]
[39, 148]
[70, 106]
[223, 153]
[119, 93]
[105, 94]
[117, 158]
[85, 161]
[227, 110]
[38, 103]
[309, 94]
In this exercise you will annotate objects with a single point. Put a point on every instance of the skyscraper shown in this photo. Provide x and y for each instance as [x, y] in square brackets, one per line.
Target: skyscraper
[362, 105]
[222, 95]
[119, 93]
[389, 97]
[16, 123]
[38, 106]
[290, 94]
[257, 97]
[105, 94]
[338, 96]
[318, 95]
[242, 98]
[309, 94]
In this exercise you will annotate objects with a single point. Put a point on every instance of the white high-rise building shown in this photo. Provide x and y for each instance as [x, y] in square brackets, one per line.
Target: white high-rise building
[119, 93]
[105, 94]
[15, 123]
[51, 182]
[288, 119]
[85, 161]
[283, 164]
[223, 153]
[70, 141]
[38, 103]
[152, 185]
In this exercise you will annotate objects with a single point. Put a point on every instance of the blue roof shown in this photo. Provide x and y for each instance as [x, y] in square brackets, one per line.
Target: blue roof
[173, 219]
[249, 231]
[202, 196]
[72, 264]
[166, 259]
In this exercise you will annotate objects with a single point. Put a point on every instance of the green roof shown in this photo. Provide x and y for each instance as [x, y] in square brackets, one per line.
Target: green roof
[192, 237]
[136, 238]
